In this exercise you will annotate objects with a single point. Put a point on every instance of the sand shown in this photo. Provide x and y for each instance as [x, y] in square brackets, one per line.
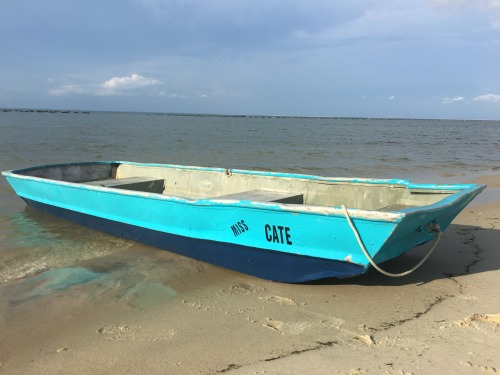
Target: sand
[124, 315]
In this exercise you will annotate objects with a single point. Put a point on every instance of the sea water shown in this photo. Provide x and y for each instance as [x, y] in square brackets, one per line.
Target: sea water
[42, 255]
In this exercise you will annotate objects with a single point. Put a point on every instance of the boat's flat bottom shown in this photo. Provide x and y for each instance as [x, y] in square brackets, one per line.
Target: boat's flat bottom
[266, 264]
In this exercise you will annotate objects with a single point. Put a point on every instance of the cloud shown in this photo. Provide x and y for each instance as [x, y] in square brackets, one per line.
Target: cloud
[130, 82]
[452, 100]
[73, 90]
[114, 86]
[488, 98]
[392, 97]
[177, 96]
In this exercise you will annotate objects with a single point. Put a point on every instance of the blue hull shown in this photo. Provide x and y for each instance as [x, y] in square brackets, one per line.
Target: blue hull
[282, 267]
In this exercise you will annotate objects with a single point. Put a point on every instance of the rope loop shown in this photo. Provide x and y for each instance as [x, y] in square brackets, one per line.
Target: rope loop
[434, 227]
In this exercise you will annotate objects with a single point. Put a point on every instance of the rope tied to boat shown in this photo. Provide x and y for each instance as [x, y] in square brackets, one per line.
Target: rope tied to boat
[434, 227]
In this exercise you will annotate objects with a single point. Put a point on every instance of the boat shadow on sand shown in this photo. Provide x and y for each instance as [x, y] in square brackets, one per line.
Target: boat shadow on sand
[463, 250]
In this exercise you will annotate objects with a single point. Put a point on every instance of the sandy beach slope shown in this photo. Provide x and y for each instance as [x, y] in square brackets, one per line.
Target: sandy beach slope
[200, 319]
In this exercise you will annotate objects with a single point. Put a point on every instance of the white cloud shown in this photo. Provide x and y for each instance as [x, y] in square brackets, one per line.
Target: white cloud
[488, 98]
[453, 100]
[392, 97]
[113, 86]
[129, 82]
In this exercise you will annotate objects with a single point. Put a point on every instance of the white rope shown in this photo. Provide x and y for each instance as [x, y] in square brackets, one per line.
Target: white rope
[434, 228]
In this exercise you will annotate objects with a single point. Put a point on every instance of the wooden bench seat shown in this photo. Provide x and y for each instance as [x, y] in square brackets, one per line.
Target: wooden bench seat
[145, 184]
[262, 195]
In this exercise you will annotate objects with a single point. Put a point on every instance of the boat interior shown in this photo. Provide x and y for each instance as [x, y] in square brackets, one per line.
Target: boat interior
[215, 183]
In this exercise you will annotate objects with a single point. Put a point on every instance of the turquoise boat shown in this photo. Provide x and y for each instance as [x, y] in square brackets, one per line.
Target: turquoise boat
[277, 226]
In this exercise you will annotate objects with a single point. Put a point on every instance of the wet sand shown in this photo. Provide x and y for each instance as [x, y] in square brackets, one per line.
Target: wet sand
[144, 310]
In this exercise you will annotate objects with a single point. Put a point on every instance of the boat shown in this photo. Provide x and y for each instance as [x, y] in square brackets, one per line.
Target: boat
[278, 226]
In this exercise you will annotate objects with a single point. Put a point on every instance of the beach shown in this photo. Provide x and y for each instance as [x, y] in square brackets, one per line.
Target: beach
[77, 301]
[123, 315]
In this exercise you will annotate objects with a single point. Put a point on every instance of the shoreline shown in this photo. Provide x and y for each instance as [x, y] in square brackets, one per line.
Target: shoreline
[492, 192]
[146, 310]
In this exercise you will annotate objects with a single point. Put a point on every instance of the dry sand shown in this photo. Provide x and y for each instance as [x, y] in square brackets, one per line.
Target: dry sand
[443, 319]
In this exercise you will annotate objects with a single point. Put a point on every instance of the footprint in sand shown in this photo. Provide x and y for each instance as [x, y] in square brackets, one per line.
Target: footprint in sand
[124, 332]
[115, 332]
[284, 301]
[488, 318]
[475, 320]
[286, 328]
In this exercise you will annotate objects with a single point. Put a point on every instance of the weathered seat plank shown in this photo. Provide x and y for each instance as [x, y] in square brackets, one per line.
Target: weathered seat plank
[145, 184]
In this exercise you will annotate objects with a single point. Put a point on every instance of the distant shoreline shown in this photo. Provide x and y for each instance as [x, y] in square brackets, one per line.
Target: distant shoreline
[156, 113]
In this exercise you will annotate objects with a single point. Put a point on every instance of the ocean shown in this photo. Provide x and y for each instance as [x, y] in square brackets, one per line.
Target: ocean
[42, 256]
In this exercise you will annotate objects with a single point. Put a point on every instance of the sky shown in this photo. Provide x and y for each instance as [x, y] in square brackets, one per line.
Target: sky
[346, 58]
